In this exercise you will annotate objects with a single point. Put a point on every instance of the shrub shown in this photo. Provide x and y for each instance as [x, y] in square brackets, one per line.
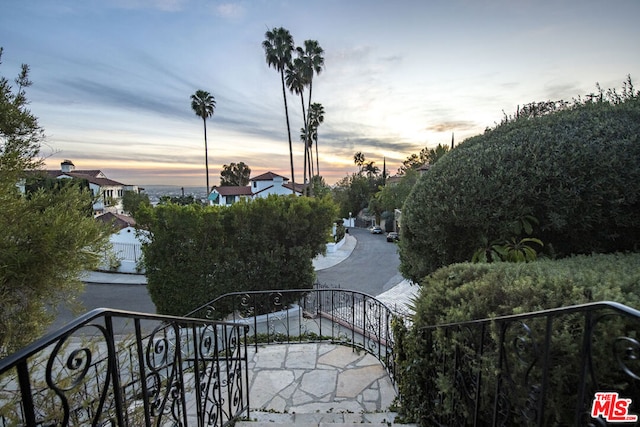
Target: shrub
[463, 292]
[197, 253]
[577, 171]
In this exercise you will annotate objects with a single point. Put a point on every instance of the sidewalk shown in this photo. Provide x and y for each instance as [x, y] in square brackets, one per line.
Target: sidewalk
[332, 258]
[113, 278]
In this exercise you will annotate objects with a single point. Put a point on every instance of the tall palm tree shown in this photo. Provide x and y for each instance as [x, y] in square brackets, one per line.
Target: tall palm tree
[204, 104]
[312, 62]
[278, 47]
[359, 160]
[316, 117]
[296, 81]
[371, 169]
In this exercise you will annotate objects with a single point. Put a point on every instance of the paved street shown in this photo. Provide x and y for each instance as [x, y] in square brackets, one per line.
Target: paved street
[372, 267]
[121, 297]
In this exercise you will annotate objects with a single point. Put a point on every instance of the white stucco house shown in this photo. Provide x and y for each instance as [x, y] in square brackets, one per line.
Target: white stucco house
[259, 186]
[227, 195]
[125, 253]
[107, 193]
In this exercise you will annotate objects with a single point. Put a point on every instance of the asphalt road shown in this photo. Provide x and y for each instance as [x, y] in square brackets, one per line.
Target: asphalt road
[121, 297]
[372, 268]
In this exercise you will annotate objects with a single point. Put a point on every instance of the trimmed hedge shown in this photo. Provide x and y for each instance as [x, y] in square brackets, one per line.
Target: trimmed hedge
[577, 171]
[198, 253]
[463, 292]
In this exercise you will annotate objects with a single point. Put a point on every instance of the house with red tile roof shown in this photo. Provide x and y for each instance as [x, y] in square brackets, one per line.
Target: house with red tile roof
[259, 186]
[228, 194]
[107, 193]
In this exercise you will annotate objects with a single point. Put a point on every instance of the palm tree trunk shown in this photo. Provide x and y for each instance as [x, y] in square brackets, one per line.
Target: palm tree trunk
[311, 171]
[317, 158]
[306, 138]
[317, 172]
[286, 113]
[206, 154]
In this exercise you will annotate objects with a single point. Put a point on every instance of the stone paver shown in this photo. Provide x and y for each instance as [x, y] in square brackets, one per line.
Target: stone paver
[317, 378]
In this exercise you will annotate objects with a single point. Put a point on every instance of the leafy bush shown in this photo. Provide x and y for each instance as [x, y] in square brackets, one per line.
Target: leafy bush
[198, 253]
[576, 170]
[462, 292]
[48, 236]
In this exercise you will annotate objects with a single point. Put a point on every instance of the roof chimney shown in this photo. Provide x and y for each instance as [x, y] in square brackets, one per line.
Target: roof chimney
[67, 166]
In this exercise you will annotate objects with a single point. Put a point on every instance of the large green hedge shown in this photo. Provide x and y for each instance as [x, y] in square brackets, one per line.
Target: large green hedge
[577, 171]
[199, 253]
[462, 292]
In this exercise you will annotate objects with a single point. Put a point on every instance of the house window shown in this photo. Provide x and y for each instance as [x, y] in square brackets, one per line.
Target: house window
[230, 199]
[255, 184]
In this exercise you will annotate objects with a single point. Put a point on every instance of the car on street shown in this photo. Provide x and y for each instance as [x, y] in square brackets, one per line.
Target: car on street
[393, 237]
[375, 230]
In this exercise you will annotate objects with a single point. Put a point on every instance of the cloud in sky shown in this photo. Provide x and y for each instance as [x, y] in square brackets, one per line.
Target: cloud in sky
[163, 5]
[112, 78]
[230, 10]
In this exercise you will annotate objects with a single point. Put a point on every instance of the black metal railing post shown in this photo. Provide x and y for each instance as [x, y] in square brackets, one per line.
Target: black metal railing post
[26, 394]
[112, 362]
[585, 351]
[141, 372]
[527, 369]
[76, 376]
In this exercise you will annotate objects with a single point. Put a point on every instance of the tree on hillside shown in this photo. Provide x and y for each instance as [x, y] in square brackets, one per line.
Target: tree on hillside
[353, 192]
[132, 201]
[235, 174]
[427, 156]
[371, 169]
[183, 200]
[48, 238]
[432, 155]
[391, 197]
[278, 48]
[204, 104]
[319, 186]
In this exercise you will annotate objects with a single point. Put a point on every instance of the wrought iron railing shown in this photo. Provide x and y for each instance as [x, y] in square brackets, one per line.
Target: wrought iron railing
[303, 315]
[540, 368]
[117, 368]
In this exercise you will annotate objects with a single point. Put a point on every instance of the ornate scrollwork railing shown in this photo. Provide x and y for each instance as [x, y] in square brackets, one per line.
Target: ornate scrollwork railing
[117, 368]
[540, 368]
[303, 315]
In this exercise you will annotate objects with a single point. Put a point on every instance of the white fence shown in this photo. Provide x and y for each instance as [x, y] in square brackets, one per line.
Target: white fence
[124, 258]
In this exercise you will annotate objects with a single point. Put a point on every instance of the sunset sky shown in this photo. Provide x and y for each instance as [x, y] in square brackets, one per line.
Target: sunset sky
[112, 78]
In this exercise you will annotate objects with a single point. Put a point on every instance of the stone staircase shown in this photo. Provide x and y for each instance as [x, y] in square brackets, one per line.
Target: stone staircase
[316, 384]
